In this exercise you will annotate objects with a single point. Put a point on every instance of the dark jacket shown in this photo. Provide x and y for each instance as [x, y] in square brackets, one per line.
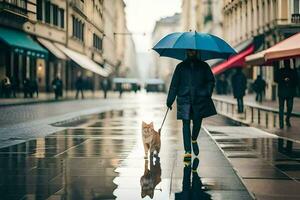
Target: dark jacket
[79, 84]
[57, 85]
[192, 83]
[259, 85]
[287, 80]
[239, 84]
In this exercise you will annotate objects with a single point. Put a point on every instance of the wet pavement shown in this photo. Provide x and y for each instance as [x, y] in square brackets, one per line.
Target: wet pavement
[100, 156]
[269, 165]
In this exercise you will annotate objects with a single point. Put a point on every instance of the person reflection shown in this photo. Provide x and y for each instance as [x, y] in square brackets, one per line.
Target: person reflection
[151, 178]
[195, 190]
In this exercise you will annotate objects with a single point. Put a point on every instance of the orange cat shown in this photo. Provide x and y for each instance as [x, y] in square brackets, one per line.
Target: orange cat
[151, 139]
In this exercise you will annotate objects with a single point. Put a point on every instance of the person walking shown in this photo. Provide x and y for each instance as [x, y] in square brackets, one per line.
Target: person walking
[259, 87]
[192, 83]
[35, 87]
[6, 87]
[26, 88]
[14, 86]
[287, 80]
[239, 84]
[57, 85]
[79, 84]
[104, 86]
[221, 85]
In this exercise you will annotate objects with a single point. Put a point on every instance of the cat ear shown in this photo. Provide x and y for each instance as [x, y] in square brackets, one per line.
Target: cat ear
[143, 124]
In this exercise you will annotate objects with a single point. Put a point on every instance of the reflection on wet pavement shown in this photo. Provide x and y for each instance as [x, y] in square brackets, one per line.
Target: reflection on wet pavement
[101, 157]
[192, 189]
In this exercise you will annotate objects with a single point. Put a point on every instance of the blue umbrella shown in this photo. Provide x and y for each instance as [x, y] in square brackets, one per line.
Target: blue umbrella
[209, 46]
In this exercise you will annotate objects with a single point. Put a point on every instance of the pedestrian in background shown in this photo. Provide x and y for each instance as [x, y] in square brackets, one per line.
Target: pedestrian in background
[14, 86]
[79, 85]
[104, 86]
[259, 86]
[57, 85]
[6, 87]
[192, 83]
[287, 80]
[26, 88]
[34, 87]
[239, 85]
[222, 85]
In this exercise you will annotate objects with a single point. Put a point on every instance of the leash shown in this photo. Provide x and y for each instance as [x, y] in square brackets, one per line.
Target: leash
[164, 120]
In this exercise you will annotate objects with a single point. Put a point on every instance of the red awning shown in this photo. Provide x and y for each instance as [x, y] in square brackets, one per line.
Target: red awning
[235, 61]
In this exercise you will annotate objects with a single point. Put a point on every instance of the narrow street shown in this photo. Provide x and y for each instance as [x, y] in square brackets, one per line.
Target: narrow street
[100, 155]
[96, 152]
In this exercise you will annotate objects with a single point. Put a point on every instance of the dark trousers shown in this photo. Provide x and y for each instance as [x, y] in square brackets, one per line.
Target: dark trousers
[240, 104]
[289, 105]
[77, 93]
[186, 129]
[259, 96]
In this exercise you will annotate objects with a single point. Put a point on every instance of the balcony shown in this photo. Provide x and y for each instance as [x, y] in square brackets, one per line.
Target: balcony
[14, 7]
[296, 18]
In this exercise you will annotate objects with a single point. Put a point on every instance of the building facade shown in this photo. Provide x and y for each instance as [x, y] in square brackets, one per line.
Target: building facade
[202, 16]
[269, 20]
[77, 35]
[163, 67]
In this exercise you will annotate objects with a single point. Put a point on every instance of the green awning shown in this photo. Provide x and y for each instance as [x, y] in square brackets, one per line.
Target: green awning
[22, 43]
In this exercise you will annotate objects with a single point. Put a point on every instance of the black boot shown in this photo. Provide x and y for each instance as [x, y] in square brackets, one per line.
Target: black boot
[287, 122]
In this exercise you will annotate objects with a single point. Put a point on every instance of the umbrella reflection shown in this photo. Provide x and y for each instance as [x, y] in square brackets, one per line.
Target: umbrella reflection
[151, 177]
[194, 190]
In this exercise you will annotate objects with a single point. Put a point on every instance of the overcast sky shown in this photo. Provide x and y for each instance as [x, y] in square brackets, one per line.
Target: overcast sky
[142, 15]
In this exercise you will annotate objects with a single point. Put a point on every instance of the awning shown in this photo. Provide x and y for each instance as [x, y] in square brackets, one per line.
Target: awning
[256, 59]
[108, 68]
[52, 48]
[22, 43]
[238, 48]
[237, 60]
[82, 60]
[288, 48]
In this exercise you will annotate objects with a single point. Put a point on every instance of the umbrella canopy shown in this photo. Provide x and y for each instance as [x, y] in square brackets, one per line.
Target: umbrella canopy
[209, 46]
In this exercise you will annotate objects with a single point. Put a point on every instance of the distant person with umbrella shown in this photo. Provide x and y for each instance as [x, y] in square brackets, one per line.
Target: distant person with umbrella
[239, 85]
[287, 80]
[192, 82]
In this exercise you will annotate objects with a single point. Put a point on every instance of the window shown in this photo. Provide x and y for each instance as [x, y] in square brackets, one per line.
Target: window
[50, 13]
[62, 18]
[296, 6]
[47, 12]
[78, 29]
[55, 15]
[97, 42]
[39, 9]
